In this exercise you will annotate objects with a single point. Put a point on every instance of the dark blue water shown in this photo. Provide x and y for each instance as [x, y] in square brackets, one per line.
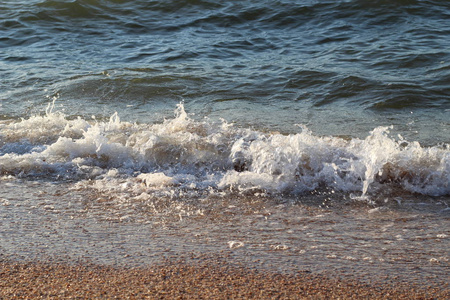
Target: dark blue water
[307, 133]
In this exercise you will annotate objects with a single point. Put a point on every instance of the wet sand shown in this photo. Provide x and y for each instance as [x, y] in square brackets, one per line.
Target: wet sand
[189, 280]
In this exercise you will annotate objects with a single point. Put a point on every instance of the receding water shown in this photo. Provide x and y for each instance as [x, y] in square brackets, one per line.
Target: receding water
[405, 238]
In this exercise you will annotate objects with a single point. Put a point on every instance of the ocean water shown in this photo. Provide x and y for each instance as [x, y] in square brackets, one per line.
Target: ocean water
[292, 134]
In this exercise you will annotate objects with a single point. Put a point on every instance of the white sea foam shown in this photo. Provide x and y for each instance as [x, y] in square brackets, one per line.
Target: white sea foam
[181, 155]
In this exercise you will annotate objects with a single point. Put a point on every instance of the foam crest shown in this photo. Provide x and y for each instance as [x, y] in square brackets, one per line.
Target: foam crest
[181, 155]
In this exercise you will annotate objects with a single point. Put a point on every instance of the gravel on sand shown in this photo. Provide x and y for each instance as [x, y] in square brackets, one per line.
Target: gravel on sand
[193, 280]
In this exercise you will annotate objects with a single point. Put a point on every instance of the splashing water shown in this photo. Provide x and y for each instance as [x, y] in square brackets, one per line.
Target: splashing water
[181, 154]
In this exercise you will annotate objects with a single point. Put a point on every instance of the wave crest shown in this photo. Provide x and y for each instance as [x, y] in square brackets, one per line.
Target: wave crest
[183, 154]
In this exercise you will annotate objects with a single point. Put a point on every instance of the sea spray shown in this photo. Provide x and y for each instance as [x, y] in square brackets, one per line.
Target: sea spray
[181, 154]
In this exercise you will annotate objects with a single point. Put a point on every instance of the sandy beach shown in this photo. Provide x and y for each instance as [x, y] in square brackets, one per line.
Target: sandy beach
[188, 280]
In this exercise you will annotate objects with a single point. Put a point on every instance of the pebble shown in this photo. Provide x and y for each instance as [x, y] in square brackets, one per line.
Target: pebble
[188, 280]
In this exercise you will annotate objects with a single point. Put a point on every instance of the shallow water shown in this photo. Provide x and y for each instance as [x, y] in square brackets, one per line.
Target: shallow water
[405, 240]
[288, 136]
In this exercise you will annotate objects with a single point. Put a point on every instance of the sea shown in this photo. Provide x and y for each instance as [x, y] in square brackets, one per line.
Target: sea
[285, 135]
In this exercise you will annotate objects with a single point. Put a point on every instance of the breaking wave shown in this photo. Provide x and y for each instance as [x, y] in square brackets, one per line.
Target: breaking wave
[181, 156]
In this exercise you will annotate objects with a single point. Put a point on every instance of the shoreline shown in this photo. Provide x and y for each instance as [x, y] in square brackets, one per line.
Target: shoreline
[205, 279]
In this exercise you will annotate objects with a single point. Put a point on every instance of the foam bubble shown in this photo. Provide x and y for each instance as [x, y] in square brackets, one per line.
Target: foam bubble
[156, 180]
[180, 156]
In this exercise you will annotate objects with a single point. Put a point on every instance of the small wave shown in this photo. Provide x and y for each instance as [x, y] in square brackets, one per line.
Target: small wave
[181, 155]
[73, 9]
